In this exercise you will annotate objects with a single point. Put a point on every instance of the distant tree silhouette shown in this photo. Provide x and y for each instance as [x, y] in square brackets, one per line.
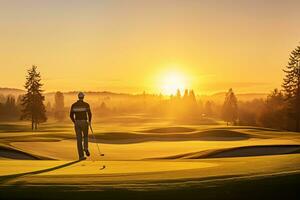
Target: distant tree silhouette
[10, 101]
[186, 95]
[200, 106]
[230, 107]
[104, 110]
[208, 111]
[144, 100]
[9, 109]
[49, 110]
[32, 101]
[249, 111]
[59, 106]
[273, 113]
[48, 107]
[291, 87]
[2, 98]
[177, 101]
[191, 104]
[178, 94]
[103, 106]
[192, 98]
[19, 100]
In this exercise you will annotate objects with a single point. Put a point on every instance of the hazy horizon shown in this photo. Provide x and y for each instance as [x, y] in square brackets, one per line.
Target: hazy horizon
[154, 46]
[136, 93]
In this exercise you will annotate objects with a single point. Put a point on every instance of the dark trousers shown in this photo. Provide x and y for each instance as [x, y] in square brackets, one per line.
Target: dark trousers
[81, 129]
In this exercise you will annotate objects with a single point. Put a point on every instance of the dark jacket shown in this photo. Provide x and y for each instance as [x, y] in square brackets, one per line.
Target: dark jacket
[80, 110]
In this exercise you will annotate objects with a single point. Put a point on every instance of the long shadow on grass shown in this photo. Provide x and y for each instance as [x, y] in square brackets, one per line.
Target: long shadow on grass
[6, 178]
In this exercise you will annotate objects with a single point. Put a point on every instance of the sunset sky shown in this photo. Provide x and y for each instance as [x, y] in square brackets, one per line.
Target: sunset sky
[156, 46]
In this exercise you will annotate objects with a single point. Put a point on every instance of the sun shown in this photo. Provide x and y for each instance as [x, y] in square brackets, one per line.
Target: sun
[172, 81]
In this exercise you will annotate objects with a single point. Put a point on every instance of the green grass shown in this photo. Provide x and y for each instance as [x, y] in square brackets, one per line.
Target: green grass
[129, 141]
[273, 187]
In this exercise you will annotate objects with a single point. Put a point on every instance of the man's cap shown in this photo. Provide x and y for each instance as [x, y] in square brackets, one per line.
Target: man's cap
[80, 95]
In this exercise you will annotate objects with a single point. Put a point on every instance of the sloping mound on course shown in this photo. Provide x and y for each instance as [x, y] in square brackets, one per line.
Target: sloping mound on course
[169, 130]
[209, 135]
[222, 135]
[261, 150]
[165, 134]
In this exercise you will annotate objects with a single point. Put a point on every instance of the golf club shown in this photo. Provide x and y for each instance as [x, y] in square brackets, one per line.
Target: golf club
[100, 154]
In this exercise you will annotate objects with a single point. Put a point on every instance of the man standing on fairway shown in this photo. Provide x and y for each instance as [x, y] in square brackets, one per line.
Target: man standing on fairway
[81, 116]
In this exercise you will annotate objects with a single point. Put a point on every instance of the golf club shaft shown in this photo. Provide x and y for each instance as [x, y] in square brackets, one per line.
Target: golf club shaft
[100, 154]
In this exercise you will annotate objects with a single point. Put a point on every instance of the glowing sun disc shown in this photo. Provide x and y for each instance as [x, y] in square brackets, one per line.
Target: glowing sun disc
[173, 81]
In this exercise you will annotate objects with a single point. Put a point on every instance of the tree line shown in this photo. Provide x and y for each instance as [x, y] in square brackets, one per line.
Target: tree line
[10, 108]
[281, 108]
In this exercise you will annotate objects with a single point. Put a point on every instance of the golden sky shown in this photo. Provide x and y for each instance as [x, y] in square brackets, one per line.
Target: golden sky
[132, 46]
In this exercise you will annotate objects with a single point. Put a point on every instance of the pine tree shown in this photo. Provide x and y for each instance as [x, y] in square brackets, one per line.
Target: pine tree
[230, 107]
[32, 101]
[186, 95]
[291, 86]
[192, 98]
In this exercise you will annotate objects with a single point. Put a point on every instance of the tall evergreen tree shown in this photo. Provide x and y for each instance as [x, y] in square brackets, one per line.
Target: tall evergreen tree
[230, 107]
[32, 101]
[291, 86]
